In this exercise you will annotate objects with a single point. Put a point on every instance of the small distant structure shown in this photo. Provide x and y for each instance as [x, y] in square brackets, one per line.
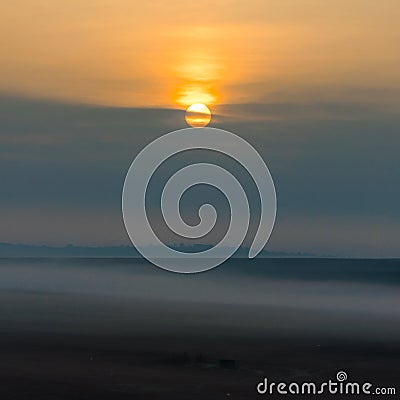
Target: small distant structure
[200, 359]
[227, 364]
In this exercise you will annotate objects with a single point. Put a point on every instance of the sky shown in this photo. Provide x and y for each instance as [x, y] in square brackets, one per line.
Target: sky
[313, 85]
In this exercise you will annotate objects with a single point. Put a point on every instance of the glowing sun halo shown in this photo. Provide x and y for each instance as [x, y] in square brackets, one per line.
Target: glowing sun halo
[198, 115]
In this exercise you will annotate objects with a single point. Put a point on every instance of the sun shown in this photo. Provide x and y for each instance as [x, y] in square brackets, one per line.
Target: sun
[198, 115]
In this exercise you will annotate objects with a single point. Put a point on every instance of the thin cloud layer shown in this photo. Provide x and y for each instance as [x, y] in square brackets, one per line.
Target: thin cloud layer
[63, 167]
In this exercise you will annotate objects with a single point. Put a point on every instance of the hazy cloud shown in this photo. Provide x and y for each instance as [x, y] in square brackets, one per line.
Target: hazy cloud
[333, 163]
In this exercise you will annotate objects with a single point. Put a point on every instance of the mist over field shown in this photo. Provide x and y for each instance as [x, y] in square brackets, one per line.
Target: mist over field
[347, 299]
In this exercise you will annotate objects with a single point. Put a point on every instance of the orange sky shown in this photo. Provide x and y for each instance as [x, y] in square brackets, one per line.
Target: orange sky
[158, 53]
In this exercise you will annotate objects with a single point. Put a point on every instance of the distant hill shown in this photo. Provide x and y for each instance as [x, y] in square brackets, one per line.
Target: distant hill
[24, 250]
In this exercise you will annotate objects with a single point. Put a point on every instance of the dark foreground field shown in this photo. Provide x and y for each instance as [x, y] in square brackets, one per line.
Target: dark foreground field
[158, 367]
[193, 340]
